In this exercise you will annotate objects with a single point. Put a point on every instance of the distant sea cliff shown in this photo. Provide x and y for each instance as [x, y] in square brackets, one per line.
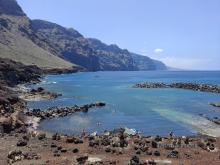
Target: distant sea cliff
[49, 45]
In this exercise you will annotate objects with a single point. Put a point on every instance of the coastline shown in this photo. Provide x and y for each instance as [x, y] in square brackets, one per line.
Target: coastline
[25, 144]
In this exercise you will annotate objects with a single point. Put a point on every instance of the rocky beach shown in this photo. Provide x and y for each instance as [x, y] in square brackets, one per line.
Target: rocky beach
[63, 103]
[22, 143]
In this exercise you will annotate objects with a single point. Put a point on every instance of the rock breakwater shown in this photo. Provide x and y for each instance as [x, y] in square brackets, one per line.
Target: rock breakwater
[64, 111]
[181, 85]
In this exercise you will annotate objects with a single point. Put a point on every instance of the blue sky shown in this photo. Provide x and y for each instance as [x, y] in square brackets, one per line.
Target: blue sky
[182, 33]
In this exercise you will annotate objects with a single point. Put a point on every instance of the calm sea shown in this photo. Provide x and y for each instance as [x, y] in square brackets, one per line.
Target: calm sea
[150, 111]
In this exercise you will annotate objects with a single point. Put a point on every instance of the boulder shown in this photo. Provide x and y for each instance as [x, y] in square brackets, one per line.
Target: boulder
[173, 154]
[82, 159]
[6, 123]
[158, 138]
[108, 149]
[21, 143]
[134, 160]
[75, 150]
[70, 139]
[41, 136]
[53, 145]
[15, 155]
[156, 153]
[63, 150]
[154, 144]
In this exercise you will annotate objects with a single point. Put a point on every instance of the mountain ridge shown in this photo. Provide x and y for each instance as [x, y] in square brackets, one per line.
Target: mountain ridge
[48, 44]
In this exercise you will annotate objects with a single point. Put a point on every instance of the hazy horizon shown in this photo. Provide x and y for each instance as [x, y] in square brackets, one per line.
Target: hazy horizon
[183, 34]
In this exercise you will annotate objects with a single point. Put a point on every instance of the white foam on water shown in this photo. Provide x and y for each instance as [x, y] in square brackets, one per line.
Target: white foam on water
[48, 82]
[200, 124]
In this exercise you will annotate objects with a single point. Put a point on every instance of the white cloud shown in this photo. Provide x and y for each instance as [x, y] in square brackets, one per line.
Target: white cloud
[158, 50]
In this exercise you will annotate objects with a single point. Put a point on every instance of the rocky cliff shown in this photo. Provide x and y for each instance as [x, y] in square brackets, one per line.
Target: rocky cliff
[146, 63]
[10, 7]
[49, 45]
[69, 44]
[91, 53]
[111, 57]
[19, 43]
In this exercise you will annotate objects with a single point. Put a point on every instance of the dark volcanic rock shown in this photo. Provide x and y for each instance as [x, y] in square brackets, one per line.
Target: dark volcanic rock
[21, 143]
[53, 145]
[6, 124]
[70, 139]
[215, 104]
[14, 73]
[82, 159]
[134, 161]
[190, 86]
[62, 112]
[10, 7]
[157, 153]
[154, 144]
[75, 150]
[63, 150]
[56, 136]
[41, 136]
[173, 154]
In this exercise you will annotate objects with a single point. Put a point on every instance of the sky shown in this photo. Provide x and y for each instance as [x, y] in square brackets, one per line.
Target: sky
[184, 34]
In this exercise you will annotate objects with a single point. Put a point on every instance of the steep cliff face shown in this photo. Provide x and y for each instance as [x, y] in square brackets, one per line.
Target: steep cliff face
[49, 45]
[19, 43]
[89, 53]
[111, 57]
[69, 43]
[146, 63]
[10, 7]
[160, 65]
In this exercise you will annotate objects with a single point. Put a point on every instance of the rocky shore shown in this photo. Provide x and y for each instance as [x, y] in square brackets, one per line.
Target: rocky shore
[62, 111]
[215, 104]
[36, 94]
[23, 146]
[190, 86]
[109, 148]
[13, 100]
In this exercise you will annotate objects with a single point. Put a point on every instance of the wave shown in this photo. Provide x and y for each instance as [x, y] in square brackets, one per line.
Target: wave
[48, 82]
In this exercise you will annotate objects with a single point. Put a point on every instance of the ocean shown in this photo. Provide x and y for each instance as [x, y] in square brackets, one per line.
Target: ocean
[149, 111]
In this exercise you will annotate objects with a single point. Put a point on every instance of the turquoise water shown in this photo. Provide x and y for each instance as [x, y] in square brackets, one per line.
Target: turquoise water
[151, 111]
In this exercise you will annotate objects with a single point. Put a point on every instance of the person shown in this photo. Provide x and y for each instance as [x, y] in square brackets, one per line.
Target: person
[171, 134]
[83, 134]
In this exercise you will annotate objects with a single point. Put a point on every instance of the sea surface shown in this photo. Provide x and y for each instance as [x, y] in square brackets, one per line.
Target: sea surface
[149, 111]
